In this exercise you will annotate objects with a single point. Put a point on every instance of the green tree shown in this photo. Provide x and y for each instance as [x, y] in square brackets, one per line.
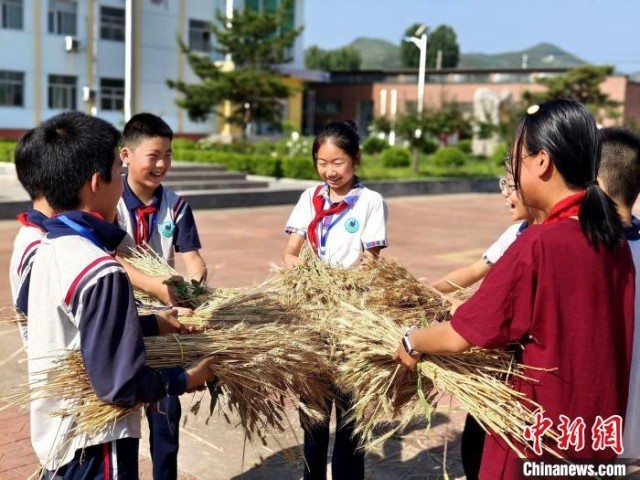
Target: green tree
[345, 58]
[442, 38]
[582, 84]
[258, 43]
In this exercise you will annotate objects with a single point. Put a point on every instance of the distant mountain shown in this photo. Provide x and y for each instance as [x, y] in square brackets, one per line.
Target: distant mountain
[377, 53]
[541, 55]
[382, 54]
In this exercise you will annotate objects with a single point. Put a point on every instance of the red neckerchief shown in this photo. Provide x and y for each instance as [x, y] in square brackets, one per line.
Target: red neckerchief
[318, 205]
[565, 208]
[22, 218]
[142, 221]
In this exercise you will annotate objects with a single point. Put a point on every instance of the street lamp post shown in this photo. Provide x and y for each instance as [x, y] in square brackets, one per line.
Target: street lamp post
[419, 40]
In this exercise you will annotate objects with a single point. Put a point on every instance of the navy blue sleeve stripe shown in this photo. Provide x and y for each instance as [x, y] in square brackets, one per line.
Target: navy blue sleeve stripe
[113, 348]
[84, 279]
[22, 299]
[27, 256]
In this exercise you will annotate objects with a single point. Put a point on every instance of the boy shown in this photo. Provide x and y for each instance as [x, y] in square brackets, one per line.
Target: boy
[80, 299]
[28, 168]
[156, 216]
[619, 175]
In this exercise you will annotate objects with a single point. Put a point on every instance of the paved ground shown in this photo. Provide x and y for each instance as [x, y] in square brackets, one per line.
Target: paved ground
[430, 235]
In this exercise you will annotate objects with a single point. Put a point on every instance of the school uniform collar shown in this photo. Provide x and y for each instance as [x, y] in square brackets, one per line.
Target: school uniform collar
[91, 226]
[350, 198]
[633, 232]
[32, 218]
[132, 201]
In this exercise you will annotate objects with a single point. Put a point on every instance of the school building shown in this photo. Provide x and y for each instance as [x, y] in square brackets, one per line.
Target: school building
[62, 55]
[363, 95]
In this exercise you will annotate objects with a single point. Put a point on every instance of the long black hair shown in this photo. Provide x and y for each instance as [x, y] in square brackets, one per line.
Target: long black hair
[567, 131]
[343, 135]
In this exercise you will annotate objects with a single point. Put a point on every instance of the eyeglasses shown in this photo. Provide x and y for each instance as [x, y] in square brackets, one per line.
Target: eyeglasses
[505, 186]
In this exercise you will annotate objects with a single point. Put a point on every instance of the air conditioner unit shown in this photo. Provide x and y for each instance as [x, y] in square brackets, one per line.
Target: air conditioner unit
[71, 44]
[88, 94]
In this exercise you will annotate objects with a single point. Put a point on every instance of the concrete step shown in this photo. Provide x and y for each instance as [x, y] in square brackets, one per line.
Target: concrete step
[206, 184]
[204, 175]
[196, 167]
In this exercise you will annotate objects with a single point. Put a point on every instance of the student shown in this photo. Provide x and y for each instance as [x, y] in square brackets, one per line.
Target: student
[564, 290]
[29, 169]
[80, 299]
[524, 216]
[619, 176]
[342, 220]
[473, 434]
[157, 217]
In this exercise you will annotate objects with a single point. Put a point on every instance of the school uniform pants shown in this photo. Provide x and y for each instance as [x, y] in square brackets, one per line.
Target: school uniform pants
[117, 460]
[347, 462]
[471, 447]
[164, 427]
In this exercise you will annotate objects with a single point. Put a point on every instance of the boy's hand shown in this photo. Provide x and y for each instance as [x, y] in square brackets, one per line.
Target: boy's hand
[168, 323]
[163, 289]
[200, 373]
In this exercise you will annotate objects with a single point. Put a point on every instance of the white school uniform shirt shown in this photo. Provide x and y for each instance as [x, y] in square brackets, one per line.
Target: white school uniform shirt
[495, 251]
[360, 227]
[631, 425]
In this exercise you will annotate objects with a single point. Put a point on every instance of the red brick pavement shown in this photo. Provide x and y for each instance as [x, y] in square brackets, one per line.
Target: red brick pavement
[430, 235]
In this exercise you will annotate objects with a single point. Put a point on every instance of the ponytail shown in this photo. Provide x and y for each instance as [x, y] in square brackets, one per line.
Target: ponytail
[600, 220]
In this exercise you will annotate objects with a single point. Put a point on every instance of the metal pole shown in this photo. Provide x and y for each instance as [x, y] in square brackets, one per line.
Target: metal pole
[128, 60]
[422, 45]
[393, 110]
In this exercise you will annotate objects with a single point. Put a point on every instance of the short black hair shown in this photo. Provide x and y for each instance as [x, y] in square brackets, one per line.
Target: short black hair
[28, 165]
[142, 126]
[620, 164]
[62, 154]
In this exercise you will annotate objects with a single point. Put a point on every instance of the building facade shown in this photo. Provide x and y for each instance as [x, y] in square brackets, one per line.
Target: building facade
[62, 55]
[363, 95]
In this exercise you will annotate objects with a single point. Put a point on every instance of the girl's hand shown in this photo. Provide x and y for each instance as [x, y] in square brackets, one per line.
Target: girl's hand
[200, 373]
[291, 261]
[409, 361]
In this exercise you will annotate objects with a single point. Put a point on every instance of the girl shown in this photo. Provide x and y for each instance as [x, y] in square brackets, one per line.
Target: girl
[342, 220]
[564, 290]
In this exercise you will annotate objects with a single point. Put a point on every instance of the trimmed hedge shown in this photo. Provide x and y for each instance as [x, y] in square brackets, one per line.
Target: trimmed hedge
[7, 149]
[464, 146]
[298, 167]
[373, 145]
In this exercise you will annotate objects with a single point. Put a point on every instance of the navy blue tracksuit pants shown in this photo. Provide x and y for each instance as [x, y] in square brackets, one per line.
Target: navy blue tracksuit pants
[347, 462]
[164, 426]
[117, 460]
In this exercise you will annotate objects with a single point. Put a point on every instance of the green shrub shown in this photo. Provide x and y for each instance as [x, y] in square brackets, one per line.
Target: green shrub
[298, 167]
[429, 147]
[267, 166]
[464, 146]
[7, 149]
[499, 155]
[395, 157]
[182, 144]
[449, 157]
[373, 145]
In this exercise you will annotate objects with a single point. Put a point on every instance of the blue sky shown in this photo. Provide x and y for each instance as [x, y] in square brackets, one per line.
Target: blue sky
[598, 31]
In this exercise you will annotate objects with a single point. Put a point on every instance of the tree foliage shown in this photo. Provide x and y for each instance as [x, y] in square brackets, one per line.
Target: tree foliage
[258, 43]
[582, 84]
[442, 38]
[345, 58]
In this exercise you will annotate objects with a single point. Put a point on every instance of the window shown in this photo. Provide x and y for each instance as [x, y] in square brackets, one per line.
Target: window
[328, 106]
[62, 17]
[111, 94]
[112, 24]
[62, 92]
[199, 36]
[11, 89]
[11, 13]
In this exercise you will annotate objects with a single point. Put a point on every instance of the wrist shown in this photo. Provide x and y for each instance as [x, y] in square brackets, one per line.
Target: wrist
[408, 344]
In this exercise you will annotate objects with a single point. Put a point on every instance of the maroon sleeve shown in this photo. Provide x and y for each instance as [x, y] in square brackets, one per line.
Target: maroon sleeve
[501, 310]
